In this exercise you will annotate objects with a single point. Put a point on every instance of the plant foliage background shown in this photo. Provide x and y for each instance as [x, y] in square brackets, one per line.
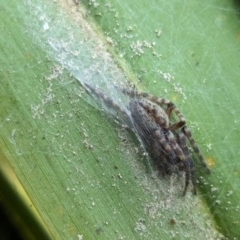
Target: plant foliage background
[82, 171]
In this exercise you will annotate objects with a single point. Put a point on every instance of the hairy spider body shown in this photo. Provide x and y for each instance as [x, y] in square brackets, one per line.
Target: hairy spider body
[166, 147]
[151, 134]
[168, 151]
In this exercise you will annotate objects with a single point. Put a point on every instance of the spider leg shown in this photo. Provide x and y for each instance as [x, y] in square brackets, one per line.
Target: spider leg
[160, 136]
[170, 107]
[157, 113]
[167, 163]
[107, 100]
[188, 134]
[130, 92]
[188, 164]
[166, 138]
[176, 148]
[180, 148]
[135, 93]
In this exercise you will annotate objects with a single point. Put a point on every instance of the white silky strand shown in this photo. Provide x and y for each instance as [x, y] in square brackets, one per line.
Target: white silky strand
[87, 60]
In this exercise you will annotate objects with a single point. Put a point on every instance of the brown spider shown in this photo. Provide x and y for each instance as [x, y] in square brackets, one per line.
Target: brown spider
[167, 148]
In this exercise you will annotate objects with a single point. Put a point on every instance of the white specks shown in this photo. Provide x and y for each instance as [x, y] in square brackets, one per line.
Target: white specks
[158, 33]
[93, 3]
[130, 28]
[235, 121]
[120, 176]
[208, 147]
[12, 137]
[93, 204]
[229, 193]
[80, 237]
[218, 202]
[87, 144]
[167, 76]
[13, 141]
[146, 44]
[7, 119]
[145, 154]
[140, 226]
[110, 41]
[126, 35]
[45, 26]
[178, 89]
[137, 48]
[213, 189]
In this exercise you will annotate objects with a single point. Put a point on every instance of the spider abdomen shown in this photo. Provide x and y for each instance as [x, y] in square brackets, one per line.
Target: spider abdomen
[152, 135]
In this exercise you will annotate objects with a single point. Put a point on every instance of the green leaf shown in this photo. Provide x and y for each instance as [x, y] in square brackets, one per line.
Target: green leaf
[83, 172]
[197, 44]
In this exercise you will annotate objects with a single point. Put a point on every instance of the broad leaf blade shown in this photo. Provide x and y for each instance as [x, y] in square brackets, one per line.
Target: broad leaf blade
[81, 169]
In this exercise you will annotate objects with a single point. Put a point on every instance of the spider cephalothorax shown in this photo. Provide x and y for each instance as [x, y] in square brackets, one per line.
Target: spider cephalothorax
[164, 141]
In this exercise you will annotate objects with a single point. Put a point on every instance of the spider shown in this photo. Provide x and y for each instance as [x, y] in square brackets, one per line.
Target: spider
[165, 142]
